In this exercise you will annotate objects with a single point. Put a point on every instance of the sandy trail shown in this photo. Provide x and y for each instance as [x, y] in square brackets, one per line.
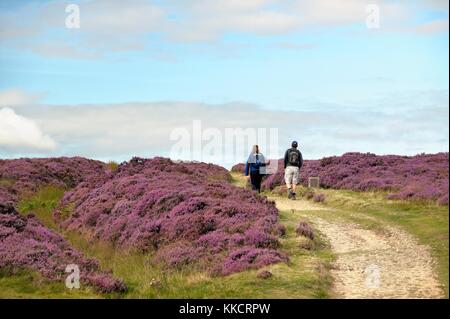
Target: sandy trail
[373, 265]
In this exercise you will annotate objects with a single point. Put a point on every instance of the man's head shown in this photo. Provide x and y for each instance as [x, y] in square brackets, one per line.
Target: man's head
[294, 144]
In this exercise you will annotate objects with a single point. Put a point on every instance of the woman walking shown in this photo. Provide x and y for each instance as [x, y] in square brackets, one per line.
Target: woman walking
[253, 166]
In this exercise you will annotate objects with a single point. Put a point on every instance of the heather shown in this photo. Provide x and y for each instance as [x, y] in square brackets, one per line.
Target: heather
[420, 177]
[240, 167]
[304, 229]
[319, 198]
[24, 176]
[182, 213]
[26, 244]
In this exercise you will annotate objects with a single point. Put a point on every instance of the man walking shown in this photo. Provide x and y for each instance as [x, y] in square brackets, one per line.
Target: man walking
[293, 161]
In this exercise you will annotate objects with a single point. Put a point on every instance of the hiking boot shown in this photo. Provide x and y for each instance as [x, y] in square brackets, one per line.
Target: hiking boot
[290, 194]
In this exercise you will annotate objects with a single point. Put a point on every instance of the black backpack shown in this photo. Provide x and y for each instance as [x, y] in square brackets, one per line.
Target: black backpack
[294, 157]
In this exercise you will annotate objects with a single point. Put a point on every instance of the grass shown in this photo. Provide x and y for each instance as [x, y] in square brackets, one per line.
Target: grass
[42, 204]
[298, 279]
[6, 182]
[305, 276]
[29, 284]
[112, 165]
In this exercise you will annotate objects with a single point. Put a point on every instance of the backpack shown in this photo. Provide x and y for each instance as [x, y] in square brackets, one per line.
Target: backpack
[294, 157]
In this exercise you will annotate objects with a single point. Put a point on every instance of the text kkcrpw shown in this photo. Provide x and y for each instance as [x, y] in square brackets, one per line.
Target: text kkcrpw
[227, 309]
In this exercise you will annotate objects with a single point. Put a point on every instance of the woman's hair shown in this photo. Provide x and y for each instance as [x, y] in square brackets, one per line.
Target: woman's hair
[255, 149]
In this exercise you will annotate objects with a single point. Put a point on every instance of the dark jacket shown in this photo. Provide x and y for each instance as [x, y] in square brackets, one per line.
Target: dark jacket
[286, 158]
[254, 163]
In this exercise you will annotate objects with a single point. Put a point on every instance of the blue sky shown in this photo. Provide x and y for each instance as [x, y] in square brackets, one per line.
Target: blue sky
[314, 67]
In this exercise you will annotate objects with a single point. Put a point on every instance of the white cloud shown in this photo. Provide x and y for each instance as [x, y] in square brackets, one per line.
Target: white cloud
[109, 26]
[326, 12]
[18, 132]
[51, 49]
[105, 26]
[438, 4]
[120, 131]
[113, 17]
[17, 97]
[209, 20]
[432, 27]
[295, 46]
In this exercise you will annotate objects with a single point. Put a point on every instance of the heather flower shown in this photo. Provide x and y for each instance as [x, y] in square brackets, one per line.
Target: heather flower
[304, 229]
[251, 258]
[239, 168]
[26, 244]
[443, 200]
[187, 213]
[280, 230]
[319, 198]
[260, 239]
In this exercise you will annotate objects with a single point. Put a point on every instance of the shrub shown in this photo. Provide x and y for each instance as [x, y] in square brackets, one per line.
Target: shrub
[187, 213]
[304, 229]
[28, 175]
[250, 258]
[319, 198]
[26, 243]
[238, 168]
[280, 230]
[307, 193]
[443, 200]
[265, 274]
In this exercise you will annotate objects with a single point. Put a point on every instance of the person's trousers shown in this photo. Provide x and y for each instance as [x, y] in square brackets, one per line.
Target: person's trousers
[291, 175]
[255, 180]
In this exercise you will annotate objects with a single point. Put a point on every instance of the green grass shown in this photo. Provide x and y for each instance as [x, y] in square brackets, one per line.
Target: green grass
[305, 276]
[112, 165]
[42, 204]
[6, 182]
[30, 284]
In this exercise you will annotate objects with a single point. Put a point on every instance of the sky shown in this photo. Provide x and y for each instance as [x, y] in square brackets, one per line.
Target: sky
[338, 76]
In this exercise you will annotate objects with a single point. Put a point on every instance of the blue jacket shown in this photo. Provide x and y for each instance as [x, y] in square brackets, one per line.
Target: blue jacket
[254, 163]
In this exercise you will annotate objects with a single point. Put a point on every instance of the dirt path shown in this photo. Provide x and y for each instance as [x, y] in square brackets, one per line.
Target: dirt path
[370, 264]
